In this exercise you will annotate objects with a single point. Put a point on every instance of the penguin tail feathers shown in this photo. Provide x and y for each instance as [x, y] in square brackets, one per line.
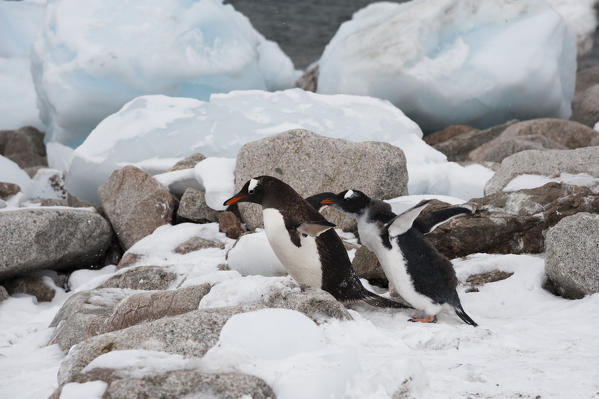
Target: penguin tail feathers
[459, 311]
[380, 302]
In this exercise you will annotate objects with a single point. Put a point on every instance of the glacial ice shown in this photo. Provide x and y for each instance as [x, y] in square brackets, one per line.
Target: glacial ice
[20, 22]
[446, 62]
[84, 72]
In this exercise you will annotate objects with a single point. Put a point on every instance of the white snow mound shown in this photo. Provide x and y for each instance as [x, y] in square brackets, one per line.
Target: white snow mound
[94, 56]
[446, 62]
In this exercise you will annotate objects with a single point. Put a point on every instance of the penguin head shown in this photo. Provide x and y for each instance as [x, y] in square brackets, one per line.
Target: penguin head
[265, 191]
[322, 200]
[252, 191]
[354, 202]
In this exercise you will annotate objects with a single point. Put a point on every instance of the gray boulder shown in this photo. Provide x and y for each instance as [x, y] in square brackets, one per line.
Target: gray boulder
[195, 244]
[174, 384]
[24, 146]
[189, 334]
[311, 164]
[83, 314]
[572, 255]
[546, 163]
[135, 203]
[142, 278]
[34, 239]
[148, 306]
[188, 162]
[546, 133]
[3, 293]
[309, 80]
[193, 208]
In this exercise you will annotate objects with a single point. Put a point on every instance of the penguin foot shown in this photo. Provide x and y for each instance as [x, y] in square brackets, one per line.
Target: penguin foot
[429, 319]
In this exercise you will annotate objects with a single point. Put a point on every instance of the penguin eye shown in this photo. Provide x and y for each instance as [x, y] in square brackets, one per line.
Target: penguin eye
[251, 191]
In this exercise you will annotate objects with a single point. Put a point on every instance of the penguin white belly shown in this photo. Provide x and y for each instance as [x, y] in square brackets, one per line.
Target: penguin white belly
[394, 265]
[302, 263]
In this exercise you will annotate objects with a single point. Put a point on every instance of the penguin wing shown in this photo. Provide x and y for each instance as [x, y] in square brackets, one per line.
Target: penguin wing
[314, 229]
[432, 220]
[403, 222]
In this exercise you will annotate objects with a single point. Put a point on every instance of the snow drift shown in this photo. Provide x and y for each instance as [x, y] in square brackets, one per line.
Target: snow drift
[446, 62]
[94, 56]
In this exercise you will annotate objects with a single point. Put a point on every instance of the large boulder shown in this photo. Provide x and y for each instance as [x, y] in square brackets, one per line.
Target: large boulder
[135, 204]
[572, 255]
[546, 163]
[120, 384]
[311, 164]
[24, 146]
[193, 208]
[43, 238]
[585, 106]
[544, 133]
[512, 222]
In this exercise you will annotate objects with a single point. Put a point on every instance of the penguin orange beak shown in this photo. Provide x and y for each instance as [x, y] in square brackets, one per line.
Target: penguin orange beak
[327, 202]
[234, 200]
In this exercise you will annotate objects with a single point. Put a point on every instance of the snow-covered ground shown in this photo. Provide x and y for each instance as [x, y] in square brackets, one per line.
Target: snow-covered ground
[529, 344]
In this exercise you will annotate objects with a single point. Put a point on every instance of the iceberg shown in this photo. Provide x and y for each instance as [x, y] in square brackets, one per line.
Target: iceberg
[94, 56]
[446, 62]
[153, 132]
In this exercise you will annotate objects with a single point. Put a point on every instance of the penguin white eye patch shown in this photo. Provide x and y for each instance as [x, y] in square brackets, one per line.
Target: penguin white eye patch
[349, 194]
[253, 184]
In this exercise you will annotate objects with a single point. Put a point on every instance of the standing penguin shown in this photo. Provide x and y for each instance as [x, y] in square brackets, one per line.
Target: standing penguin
[305, 242]
[423, 276]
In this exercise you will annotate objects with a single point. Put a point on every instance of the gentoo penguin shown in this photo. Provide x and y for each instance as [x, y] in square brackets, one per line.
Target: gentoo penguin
[305, 242]
[423, 223]
[423, 276]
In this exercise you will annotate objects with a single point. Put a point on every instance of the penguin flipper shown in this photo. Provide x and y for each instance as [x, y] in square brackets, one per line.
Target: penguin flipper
[404, 221]
[459, 311]
[314, 229]
[430, 221]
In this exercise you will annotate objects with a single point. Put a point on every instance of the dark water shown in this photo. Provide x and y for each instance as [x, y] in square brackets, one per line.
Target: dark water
[301, 27]
[304, 27]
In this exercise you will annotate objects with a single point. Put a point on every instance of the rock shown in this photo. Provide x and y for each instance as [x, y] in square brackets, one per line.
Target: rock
[571, 260]
[311, 164]
[83, 314]
[70, 201]
[315, 303]
[189, 334]
[448, 133]
[546, 133]
[135, 204]
[24, 146]
[42, 238]
[148, 306]
[192, 334]
[229, 224]
[129, 259]
[8, 190]
[197, 243]
[142, 278]
[458, 147]
[188, 162]
[193, 208]
[546, 163]
[309, 80]
[367, 266]
[476, 280]
[585, 106]
[175, 384]
[586, 78]
[3, 293]
[512, 222]
[2, 204]
[31, 285]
